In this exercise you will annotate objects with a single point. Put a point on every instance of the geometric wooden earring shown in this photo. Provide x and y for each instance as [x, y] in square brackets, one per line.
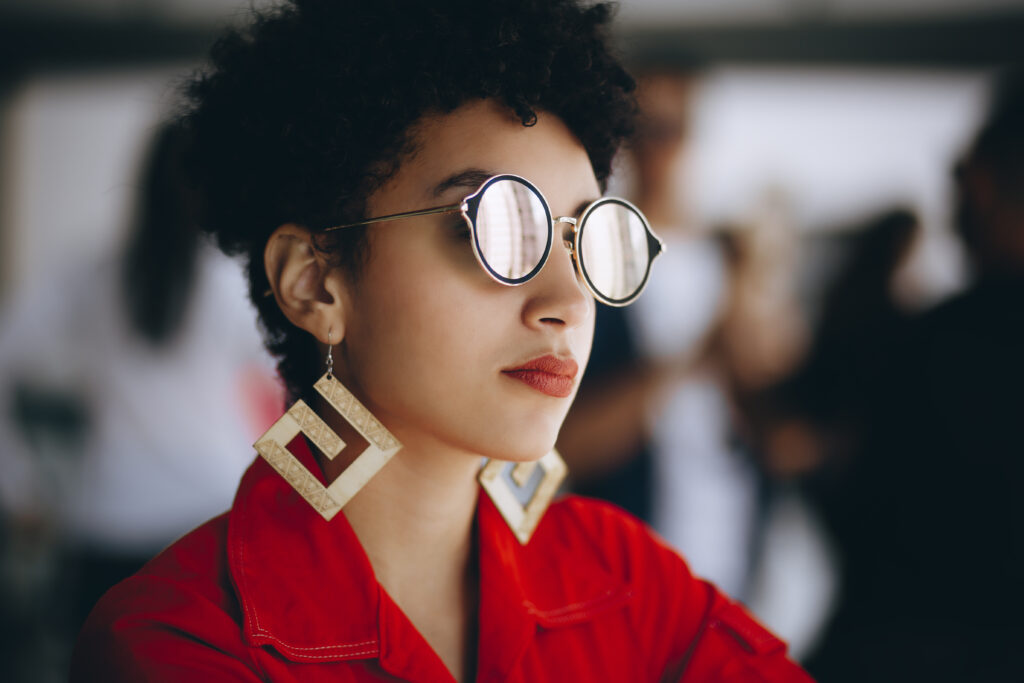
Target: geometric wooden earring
[522, 491]
[300, 418]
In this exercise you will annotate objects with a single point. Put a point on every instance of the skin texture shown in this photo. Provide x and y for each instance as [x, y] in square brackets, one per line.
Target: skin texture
[422, 338]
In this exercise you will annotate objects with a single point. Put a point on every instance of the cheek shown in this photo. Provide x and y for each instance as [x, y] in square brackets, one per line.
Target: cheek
[425, 348]
[420, 330]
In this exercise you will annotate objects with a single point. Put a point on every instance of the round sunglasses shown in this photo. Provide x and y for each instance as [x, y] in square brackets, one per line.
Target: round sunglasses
[512, 232]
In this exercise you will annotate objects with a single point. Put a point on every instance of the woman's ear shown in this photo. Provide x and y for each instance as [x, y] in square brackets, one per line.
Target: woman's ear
[303, 285]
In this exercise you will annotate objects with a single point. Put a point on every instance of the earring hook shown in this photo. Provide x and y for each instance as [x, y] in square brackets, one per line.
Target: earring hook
[330, 356]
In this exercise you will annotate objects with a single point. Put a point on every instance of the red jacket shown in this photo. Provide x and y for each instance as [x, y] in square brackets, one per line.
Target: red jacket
[270, 591]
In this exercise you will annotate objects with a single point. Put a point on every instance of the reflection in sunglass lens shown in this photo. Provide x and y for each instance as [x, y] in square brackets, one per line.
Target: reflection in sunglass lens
[512, 228]
[613, 250]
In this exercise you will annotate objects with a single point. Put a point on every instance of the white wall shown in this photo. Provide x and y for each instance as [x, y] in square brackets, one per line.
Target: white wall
[837, 145]
[73, 144]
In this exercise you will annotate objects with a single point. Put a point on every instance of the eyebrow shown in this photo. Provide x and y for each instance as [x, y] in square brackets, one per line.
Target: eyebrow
[473, 178]
[470, 177]
[584, 204]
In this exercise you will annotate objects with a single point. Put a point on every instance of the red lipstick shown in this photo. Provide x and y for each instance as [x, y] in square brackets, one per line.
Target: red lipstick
[547, 374]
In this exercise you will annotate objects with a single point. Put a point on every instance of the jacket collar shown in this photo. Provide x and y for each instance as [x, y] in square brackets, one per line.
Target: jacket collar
[306, 587]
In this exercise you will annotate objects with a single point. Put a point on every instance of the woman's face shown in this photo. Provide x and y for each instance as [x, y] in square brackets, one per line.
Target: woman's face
[429, 337]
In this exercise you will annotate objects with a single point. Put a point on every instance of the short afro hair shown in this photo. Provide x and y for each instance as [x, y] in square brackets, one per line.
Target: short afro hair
[303, 114]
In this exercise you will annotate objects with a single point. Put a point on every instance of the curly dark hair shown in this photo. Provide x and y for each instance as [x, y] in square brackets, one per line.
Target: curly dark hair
[307, 111]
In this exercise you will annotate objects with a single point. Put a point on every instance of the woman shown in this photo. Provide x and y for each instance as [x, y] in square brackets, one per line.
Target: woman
[454, 330]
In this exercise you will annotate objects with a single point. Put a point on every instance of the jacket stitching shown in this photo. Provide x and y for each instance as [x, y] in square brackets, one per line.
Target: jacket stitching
[333, 657]
[282, 643]
[258, 629]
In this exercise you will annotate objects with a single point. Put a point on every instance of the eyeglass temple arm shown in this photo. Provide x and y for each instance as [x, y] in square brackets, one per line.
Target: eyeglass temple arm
[450, 208]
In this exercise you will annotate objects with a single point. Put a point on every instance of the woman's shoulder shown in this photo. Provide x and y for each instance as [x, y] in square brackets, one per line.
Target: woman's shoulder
[616, 536]
[196, 563]
[179, 606]
[581, 535]
[692, 630]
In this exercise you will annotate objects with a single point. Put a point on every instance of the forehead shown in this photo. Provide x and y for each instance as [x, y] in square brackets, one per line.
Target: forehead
[486, 136]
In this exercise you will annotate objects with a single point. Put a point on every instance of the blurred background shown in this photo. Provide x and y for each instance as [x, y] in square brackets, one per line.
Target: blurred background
[815, 400]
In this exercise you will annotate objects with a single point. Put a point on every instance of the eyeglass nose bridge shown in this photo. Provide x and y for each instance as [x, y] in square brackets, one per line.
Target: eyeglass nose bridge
[568, 232]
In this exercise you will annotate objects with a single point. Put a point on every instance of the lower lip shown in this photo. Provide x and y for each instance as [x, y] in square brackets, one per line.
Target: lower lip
[559, 386]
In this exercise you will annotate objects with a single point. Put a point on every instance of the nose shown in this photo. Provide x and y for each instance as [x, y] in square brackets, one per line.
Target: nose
[556, 297]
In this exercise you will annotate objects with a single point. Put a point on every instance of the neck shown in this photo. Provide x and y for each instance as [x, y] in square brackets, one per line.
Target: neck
[415, 521]
[416, 514]
[415, 518]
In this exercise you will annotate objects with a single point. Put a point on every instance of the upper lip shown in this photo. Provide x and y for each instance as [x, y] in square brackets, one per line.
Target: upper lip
[565, 367]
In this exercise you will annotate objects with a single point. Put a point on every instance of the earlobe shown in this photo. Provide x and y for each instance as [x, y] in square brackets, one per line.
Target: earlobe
[298, 276]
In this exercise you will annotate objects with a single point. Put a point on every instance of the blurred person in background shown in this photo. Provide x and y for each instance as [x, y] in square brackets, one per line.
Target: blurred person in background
[661, 424]
[816, 419]
[605, 437]
[108, 451]
[928, 511]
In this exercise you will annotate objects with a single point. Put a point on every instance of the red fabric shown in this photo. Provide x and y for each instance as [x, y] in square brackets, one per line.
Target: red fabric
[270, 591]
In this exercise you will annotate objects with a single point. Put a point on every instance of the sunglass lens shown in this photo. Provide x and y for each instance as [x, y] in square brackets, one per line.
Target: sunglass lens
[614, 253]
[513, 230]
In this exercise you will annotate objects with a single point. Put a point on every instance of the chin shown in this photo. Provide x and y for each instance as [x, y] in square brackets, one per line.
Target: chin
[504, 434]
[531, 456]
[519, 450]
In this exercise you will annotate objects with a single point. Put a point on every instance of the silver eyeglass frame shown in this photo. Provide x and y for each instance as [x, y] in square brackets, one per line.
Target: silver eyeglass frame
[571, 235]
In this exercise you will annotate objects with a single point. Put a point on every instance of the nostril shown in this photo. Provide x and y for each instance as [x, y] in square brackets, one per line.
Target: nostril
[553, 321]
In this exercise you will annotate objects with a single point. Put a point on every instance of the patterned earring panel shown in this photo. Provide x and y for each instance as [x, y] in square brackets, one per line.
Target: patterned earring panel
[523, 491]
[300, 419]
